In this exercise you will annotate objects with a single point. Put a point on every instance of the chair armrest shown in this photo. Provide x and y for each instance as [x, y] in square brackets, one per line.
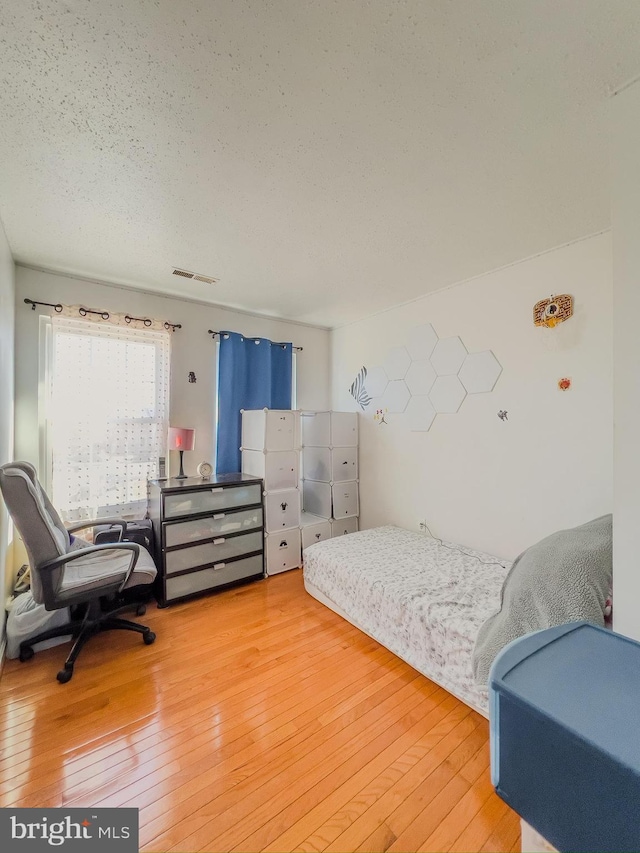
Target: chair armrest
[81, 525]
[47, 568]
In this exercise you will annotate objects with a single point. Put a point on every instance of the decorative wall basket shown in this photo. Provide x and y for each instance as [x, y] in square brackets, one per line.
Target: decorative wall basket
[550, 312]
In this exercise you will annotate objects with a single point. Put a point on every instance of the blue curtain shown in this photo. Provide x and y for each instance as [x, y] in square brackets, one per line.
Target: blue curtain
[253, 373]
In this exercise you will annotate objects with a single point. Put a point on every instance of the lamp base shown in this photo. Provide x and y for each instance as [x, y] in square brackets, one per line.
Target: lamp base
[181, 475]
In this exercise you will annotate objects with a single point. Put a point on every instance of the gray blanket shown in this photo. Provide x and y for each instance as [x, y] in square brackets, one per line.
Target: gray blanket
[563, 578]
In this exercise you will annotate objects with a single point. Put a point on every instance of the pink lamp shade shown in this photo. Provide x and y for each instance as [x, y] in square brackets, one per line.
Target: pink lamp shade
[181, 439]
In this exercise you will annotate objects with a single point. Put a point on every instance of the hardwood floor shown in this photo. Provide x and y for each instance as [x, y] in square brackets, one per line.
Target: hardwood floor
[259, 720]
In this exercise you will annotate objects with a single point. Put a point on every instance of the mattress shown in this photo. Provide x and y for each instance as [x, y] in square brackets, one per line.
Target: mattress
[423, 599]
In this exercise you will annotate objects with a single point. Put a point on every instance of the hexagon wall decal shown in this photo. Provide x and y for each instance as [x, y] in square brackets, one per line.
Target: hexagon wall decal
[397, 363]
[422, 341]
[480, 372]
[420, 377]
[420, 414]
[447, 394]
[396, 396]
[448, 356]
[376, 381]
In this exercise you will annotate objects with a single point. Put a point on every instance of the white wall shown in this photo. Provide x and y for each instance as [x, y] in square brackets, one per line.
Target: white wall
[6, 399]
[474, 478]
[626, 270]
[192, 405]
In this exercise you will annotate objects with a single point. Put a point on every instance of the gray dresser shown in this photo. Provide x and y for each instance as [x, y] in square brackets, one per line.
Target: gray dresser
[208, 534]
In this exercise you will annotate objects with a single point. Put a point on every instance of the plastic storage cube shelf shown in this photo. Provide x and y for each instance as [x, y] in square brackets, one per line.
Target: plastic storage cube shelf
[342, 526]
[282, 509]
[314, 529]
[278, 468]
[283, 551]
[268, 429]
[330, 465]
[315, 428]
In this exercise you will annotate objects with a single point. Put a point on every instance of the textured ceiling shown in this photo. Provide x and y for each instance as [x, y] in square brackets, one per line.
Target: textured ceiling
[325, 160]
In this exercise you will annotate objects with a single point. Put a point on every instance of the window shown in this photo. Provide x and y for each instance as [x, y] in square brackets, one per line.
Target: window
[106, 398]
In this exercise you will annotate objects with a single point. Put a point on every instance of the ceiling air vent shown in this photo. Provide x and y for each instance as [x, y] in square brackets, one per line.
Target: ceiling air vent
[195, 276]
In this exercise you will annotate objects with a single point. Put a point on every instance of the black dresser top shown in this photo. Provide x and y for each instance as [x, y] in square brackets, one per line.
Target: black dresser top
[172, 484]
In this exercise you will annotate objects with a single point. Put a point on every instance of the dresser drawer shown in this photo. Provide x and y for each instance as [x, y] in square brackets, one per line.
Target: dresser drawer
[218, 575]
[184, 532]
[211, 500]
[216, 551]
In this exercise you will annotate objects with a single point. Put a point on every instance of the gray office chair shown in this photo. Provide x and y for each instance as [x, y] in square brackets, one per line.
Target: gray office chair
[67, 572]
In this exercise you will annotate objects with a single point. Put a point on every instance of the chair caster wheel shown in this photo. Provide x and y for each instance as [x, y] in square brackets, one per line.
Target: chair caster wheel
[64, 675]
[141, 609]
[149, 638]
[26, 653]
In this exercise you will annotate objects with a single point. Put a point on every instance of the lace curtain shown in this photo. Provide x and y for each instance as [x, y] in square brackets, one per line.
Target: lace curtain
[106, 415]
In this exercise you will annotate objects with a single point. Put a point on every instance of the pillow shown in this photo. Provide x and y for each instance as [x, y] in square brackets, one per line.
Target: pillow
[563, 578]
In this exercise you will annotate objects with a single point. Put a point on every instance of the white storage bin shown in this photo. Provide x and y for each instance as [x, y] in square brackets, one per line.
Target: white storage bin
[27, 619]
[283, 551]
[316, 498]
[343, 526]
[315, 429]
[344, 464]
[268, 429]
[316, 464]
[344, 429]
[314, 529]
[278, 469]
[344, 498]
[330, 465]
[282, 509]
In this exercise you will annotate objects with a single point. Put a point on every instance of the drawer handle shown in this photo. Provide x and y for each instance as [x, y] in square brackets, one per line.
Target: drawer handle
[219, 566]
[218, 541]
[219, 516]
[216, 491]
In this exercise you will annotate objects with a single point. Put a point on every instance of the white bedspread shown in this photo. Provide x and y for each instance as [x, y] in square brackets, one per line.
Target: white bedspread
[423, 600]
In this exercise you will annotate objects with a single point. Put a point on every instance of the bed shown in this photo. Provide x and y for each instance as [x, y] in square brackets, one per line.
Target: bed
[423, 599]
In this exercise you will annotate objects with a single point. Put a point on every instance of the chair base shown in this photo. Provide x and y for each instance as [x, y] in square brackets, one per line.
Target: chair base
[94, 621]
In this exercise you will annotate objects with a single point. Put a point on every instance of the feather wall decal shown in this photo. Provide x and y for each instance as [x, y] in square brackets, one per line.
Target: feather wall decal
[358, 391]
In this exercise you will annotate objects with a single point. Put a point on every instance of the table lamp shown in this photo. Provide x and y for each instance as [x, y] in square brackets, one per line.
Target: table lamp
[181, 439]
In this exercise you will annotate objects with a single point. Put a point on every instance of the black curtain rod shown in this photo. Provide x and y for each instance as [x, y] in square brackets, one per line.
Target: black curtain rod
[275, 343]
[57, 307]
[102, 314]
